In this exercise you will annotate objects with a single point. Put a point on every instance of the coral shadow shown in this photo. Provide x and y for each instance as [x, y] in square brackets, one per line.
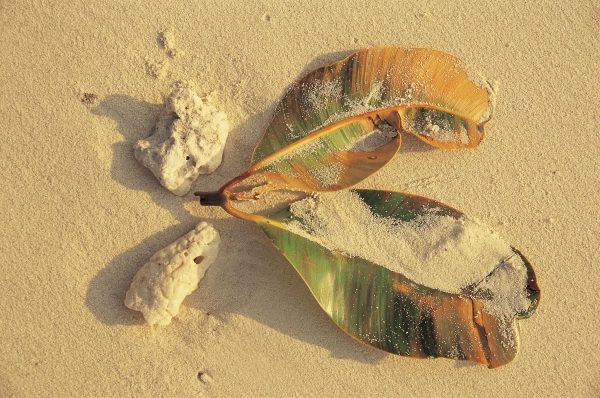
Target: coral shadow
[135, 120]
[106, 292]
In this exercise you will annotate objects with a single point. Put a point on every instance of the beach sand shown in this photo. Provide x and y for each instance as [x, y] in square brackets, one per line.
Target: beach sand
[79, 215]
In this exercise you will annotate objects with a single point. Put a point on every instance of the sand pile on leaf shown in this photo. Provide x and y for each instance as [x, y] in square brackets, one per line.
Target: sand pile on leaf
[453, 255]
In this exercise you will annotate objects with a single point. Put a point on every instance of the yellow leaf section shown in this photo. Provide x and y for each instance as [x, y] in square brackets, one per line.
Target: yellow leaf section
[425, 79]
[421, 91]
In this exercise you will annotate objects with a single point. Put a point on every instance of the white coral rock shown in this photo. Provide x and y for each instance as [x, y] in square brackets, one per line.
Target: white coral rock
[171, 274]
[188, 141]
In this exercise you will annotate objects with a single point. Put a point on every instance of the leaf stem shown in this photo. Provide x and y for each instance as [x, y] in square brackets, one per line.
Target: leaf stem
[222, 198]
[216, 198]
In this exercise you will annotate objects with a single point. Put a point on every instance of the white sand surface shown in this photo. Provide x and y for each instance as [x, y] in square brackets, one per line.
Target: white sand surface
[79, 215]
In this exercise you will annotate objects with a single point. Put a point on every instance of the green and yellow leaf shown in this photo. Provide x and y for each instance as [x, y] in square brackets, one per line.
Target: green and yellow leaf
[388, 311]
[311, 143]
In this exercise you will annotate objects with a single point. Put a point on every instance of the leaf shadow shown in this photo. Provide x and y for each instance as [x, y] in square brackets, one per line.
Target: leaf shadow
[249, 272]
[411, 144]
[251, 278]
[322, 60]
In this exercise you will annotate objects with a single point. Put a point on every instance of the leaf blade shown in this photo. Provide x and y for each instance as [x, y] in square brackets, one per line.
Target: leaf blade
[387, 310]
[381, 83]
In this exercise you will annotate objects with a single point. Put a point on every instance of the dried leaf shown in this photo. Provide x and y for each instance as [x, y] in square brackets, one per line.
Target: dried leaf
[390, 312]
[316, 140]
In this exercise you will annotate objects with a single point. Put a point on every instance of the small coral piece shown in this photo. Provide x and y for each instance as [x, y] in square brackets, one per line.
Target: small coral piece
[173, 273]
[166, 38]
[188, 141]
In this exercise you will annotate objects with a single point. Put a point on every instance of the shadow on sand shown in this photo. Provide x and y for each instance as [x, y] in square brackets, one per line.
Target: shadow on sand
[255, 275]
[258, 281]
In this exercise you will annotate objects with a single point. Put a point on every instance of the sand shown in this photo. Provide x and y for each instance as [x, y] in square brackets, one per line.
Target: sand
[81, 82]
[433, 250]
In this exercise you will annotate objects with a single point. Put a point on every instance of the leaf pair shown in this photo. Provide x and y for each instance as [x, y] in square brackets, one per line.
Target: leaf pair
[337, 126]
